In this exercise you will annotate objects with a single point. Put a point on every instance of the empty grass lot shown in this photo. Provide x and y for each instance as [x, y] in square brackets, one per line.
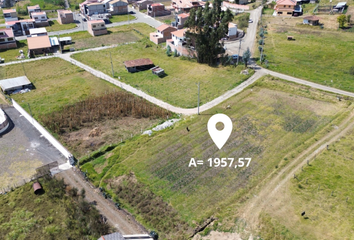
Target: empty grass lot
[11, 54]
[320, 56]
[55, 26]
[179, 87]
[272, 124]
[122, 18]
[116, 35]
[63, 84]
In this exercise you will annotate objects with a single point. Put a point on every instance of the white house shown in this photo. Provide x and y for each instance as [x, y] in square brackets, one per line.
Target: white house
[232, 30]
[40, 19]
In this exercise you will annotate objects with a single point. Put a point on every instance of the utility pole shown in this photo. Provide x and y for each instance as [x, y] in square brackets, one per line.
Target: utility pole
[198, 96]
[110, 54]
[239, 49]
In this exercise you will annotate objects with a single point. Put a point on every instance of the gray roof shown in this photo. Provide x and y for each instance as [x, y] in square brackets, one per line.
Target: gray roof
[64, 39]
[112, 236]
[12, 83]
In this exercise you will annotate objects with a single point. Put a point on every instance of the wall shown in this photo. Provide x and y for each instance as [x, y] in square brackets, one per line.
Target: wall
[43, 131]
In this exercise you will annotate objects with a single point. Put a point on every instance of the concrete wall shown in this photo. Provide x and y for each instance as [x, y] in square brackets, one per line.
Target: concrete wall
[43, 131]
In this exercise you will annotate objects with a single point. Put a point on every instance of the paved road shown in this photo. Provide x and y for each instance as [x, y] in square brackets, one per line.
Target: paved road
[248, 40]
[82, 25]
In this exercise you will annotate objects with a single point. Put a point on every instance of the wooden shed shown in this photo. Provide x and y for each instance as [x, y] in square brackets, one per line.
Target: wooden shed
[138, 65]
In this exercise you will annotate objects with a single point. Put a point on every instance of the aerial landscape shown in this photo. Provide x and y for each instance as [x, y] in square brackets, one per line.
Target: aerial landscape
[176, 120]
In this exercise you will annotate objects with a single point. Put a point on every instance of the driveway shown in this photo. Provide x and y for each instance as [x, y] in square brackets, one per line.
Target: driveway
[22, 150]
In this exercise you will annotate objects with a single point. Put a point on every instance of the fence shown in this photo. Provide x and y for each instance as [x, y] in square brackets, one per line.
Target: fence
[43, 131]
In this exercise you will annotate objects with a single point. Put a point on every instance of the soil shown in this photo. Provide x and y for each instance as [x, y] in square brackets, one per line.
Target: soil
[213, 235]
[91, 138]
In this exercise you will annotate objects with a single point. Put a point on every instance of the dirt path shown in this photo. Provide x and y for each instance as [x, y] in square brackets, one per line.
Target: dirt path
[268, 193]
[120, 219]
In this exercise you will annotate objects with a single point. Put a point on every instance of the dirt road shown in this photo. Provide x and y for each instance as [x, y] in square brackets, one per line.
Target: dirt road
[269, 192]
[121, 220]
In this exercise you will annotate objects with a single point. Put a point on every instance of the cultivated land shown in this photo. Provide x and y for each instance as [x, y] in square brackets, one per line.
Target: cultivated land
[273, 122]
[117, 35]
[179, 87]
[316, 55]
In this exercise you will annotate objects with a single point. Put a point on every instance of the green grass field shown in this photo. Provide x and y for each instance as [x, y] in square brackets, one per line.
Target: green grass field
[315, 55]
[327, 195]
[179, 87]
[273, 121]
[52, 215]
[116, 35]
[64, 84]
[55, 26]
[11, 54]
[122, 18]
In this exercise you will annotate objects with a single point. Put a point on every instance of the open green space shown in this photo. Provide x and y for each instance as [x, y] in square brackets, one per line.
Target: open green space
[63, 84]
[11, 54]
[179, 86]
[49, 4]
[55, 214]
[122, 18]
[316, 55]
[55, 26]
[273, 121]
[324, 189]
[116, 35]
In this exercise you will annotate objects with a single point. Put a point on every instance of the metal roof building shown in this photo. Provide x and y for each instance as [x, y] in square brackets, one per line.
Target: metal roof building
[12, 84]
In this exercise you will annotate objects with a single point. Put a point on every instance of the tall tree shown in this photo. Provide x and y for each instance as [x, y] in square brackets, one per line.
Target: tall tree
[246, 56]
[206, 28]
[341, 20]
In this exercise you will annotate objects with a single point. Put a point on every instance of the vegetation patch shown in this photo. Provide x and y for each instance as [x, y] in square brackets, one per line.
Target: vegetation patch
[259, 114]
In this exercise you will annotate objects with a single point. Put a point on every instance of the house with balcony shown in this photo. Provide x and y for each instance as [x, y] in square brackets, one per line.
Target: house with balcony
[162, 34]
[10, 15]
[40, 19]
[285, 7]
[185, 5]
[96, 27]
[21, 27]
[142, 5]
[7, 39]
[32, 9]
[180, 20]
[65, 16]
[179, 43]
[157, 9]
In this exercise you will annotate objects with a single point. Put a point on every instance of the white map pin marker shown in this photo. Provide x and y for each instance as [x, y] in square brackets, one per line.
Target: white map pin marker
[219, 136]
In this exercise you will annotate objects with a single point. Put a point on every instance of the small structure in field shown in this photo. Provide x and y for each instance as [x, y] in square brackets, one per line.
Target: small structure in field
[37, 188]
[158, 71]
[290, 38]
[311, 20]
[12, 84]
[138, 65]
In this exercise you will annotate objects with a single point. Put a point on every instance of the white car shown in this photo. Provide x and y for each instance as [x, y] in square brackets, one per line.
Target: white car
[250, 21]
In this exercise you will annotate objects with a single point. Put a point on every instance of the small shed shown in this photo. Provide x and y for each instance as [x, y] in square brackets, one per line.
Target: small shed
[11, 84]
[311, 20]
[158, 71]
[138, 65]
[37, 188]
[65, 40]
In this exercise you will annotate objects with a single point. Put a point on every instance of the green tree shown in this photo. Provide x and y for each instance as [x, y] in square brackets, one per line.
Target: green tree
[175, 53]
[207, 26]
[341, 20]
[168, 51]
[348, 18]
[246, 56]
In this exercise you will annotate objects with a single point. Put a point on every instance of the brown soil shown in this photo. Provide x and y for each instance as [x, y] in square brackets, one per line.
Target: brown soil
[89, 139]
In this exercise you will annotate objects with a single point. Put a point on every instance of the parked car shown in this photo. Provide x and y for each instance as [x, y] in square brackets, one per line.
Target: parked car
[234, 57]
[250, 21]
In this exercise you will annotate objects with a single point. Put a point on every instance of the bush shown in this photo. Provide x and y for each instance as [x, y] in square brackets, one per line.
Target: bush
[351, 70]
[168, 51]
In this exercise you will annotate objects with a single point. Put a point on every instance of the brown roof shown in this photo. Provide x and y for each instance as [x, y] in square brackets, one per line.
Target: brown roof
[65, 11]
[163, 27]
[183, 15]
[8, 10]
[286, 2]
[8, 32]
[38, 42]
[312, 18]
[138, 62]
[179, 33]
